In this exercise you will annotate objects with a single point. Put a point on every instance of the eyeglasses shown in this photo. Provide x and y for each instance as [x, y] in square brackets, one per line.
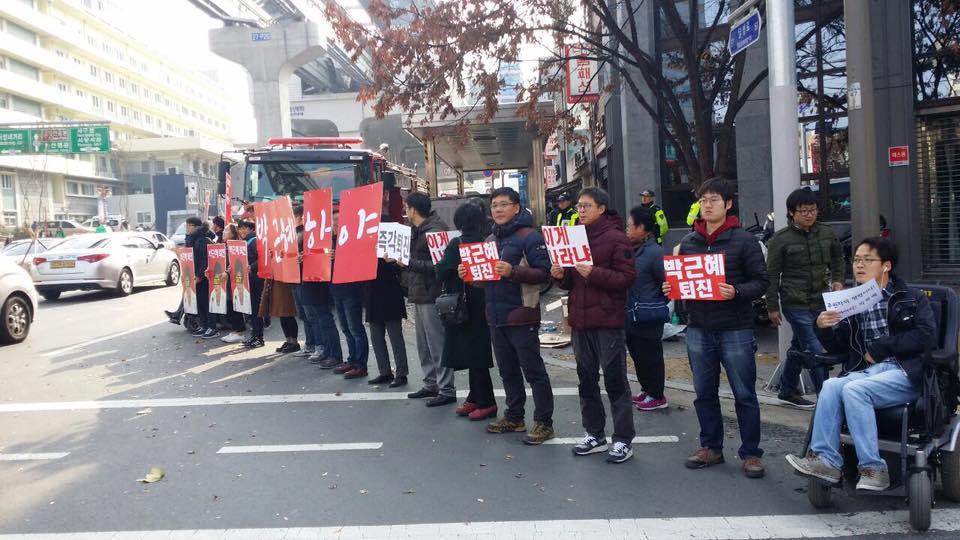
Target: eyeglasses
[806, 211]
[501, 206]
[864, 260]
[584, 206]
[711, 201]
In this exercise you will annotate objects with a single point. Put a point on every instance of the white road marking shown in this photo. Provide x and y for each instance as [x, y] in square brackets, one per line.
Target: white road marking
[102, 338]
[650, 439]
[33, 457]
[300, 448]
[690, 528]
[224, 400]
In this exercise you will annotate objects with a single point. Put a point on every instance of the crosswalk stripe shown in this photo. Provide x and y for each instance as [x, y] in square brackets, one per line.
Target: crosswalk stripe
[33, 457]
[299, 448]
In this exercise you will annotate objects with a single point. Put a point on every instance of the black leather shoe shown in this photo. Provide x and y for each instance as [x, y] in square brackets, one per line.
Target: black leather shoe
[381, 379]
[173, 316]
[422, 393]
[441, 400]
[398, 381]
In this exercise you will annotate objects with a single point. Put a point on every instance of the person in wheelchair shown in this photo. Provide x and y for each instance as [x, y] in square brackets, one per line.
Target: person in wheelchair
[884, 347]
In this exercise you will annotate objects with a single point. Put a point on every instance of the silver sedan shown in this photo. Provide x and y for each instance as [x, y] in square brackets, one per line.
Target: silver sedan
[113, 261]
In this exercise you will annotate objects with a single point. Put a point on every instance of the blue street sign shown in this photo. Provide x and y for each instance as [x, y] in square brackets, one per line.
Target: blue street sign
[745, 32]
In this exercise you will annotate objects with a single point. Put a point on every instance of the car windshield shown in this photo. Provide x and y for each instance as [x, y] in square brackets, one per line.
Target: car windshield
[265, 181]
[85, 241]
[20, 248]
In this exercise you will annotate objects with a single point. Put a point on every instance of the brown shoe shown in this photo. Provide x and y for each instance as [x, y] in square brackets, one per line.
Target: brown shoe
[753, 467]
[704, 457]
[355, 374]
[539, 434]
[342, 368]
[505, 425]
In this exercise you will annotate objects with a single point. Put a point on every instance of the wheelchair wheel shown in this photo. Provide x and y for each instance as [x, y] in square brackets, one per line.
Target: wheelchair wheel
[191, 323]
[920, 494]
[818, 493]
[950, 475]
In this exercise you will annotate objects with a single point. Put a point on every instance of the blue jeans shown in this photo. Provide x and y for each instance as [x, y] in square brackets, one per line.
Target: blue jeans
[855, 396]
[804, 339]
[348, 302]
[325, 329]
[735, 350]
[309, 326]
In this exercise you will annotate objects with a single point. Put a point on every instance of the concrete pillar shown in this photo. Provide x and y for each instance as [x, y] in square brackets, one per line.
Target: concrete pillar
[430, 165]
[754, 166]
[535, 189]
[270, 55]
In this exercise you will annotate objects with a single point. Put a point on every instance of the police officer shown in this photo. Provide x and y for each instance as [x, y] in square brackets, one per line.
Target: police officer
[564, 214]
[646, 200]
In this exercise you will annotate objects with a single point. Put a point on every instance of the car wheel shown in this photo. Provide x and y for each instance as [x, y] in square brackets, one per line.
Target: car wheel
[173, 275]
[125, 282]
[16, 320]
[51, 295]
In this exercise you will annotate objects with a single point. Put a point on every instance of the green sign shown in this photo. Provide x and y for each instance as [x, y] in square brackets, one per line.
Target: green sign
[55, 140]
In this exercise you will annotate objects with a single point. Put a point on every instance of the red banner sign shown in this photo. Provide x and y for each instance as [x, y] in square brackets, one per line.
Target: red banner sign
[217, 277]
[239, 276]
[188, 280]
[479, 258]
[695, 277]
[317, 234]
[263, 213]
[282, 237]
[228, 208]
[357, 227]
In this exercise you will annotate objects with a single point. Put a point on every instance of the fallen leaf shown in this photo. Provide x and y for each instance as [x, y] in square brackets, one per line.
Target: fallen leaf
[155, 474]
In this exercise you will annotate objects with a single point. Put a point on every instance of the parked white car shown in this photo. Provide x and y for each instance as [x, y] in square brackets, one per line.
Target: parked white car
[18, 302]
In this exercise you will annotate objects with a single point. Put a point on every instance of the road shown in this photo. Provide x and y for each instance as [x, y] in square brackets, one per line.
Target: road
[258, 445]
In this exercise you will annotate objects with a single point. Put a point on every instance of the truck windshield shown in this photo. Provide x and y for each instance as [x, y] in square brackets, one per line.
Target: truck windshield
[265, 181]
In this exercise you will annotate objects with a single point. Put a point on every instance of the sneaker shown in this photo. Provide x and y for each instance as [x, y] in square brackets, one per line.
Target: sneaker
[539, 434]
[210, 333]
[639, 397]
[294, 347]
[619, 453]
[255, 343]
[342, 368]
[813, 466]
[398, 382]
[753, 467]
[797, 401]
[199, 332]
[317, 357]
[355, 373]
[423, 393]
[506, 425]
[232, 337]
[704, 457]
[483, 414]
[465, 409]
[304, 352]
[381, 379]
[330, 363]
[651, 403]
[873, 480]
[589, 445]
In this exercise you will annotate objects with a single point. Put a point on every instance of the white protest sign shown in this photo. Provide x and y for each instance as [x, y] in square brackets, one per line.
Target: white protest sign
[393, 242]
[438, 242]
[567, 246]
[852, 301]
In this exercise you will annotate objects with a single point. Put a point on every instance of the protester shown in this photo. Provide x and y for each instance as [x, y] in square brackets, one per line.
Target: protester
[248, 232]
[234, 318]
[660, 229]
[318, 305]
[277, 301]
[804, 260]
[513, 313]
[564, 213]
[196, 231]
[386, 311]
[721, 332]
[646, 309]
[422, 290]
[311, 340]
[596, 312]
[467, 345]
[885, 347]
[217, 226]
[348, 304]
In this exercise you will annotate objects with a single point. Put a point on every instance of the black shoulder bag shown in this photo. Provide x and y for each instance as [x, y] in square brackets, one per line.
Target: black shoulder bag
[452, 307]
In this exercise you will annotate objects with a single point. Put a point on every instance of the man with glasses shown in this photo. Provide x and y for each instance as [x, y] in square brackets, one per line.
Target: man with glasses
[804, 260]
[720, 333]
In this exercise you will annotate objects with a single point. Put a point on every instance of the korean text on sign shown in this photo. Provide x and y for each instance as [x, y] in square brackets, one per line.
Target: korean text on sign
[357, 227]
[317, 234]
[479, 258]
[567, 246]
[239, 277]
[393, 242]
[438, 242]
[695, 277]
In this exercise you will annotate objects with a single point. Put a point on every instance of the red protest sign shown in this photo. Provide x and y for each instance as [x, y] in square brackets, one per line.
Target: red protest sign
[239, 276]
[695, 277]
[188, 280]
[357, 227]
[263, 212]
[217, 277]
[317, 234]
[228, 208]
[479, 258]
[567, 246]
[282, 237]
[438, 242]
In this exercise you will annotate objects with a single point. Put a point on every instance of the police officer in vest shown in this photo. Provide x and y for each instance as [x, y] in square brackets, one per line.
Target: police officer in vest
[646, 200]
[564, 214]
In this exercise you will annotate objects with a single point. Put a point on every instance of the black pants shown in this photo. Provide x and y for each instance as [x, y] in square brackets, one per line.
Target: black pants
[481, 388]
[645, 344]
[207, 319]
[256, 289]
[517, 349]
[289, 327]
[596, 350]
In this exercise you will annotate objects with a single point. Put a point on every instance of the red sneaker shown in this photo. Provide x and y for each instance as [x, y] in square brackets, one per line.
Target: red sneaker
[342, 368]
[484, 413]
[639, 397]
[467, 408]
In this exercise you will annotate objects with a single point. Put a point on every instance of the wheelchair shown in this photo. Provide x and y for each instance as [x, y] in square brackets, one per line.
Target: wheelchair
[915, 455]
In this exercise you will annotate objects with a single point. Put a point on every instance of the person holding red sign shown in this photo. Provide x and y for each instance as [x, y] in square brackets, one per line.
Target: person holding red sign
[721, 333]
[248, 232]
[597, 304]
[197, 232]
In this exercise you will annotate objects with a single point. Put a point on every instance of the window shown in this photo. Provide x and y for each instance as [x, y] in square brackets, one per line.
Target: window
[20, 32]
[81, 189]
[159, 166]
[124, 112]
[6, 181]
[111, 107]
[144, 166]
[148, 119]
[94, 71]
[80, 93]
[96, 102]
[61, 53]
[136, 115]
[144, 217]
[122, 82]
[135, 88]
[62, 87]
[10, 219]
[108, 77]
[935, 55]
[27, 106]
[23, 69]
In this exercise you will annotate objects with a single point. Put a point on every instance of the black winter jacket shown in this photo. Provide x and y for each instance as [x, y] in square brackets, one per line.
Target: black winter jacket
[422, 284]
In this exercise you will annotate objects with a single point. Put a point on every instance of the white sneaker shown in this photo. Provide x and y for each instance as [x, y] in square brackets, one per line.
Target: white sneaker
[306, 351]
[232, 337]
[317, 355]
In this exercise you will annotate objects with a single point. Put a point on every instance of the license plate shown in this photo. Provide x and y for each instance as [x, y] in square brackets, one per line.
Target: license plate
[63, 264]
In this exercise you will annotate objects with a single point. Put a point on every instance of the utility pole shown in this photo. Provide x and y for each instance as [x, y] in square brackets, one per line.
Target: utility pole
[865, 218]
